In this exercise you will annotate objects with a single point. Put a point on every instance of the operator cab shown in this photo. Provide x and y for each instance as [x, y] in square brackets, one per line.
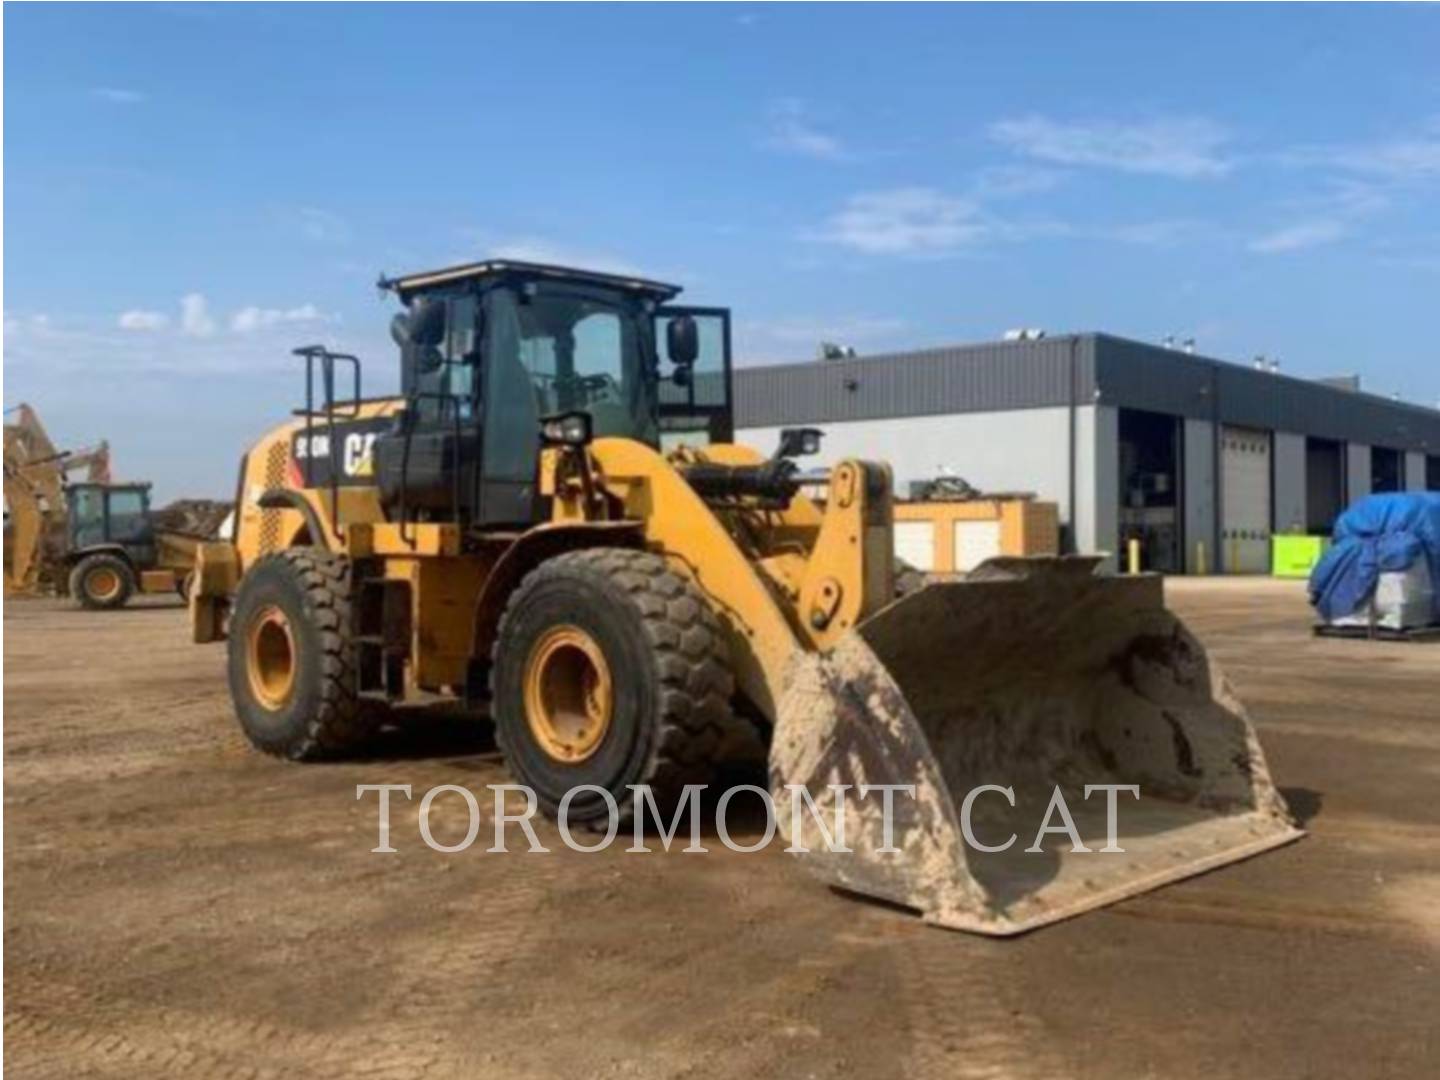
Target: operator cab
[499, 358]
[110, 515]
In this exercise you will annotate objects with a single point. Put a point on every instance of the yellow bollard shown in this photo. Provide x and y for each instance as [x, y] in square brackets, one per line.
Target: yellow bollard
[1134, 552]
[1200, 567]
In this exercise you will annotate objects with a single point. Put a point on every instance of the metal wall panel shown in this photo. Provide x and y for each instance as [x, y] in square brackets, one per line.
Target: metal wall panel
[1198, 496]
[972, 378]
[1414, 471]
[1004, 376]
[1357, 471]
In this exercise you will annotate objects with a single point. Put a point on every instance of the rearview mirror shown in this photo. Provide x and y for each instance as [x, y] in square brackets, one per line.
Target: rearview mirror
[400, 329]
[682, 341]
[426, 325]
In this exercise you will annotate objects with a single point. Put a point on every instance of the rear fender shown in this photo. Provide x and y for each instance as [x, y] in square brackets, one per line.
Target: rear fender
[120, 552]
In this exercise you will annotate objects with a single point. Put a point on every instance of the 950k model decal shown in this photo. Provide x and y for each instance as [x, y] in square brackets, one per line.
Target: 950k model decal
[342, 455]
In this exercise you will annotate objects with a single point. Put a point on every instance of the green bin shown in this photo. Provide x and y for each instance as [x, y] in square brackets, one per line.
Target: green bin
[1296, 556]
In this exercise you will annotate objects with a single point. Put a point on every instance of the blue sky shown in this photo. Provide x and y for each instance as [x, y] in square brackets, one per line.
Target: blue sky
[191, 190]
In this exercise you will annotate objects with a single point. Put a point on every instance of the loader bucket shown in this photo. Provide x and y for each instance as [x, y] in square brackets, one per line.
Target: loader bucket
[1032, 675]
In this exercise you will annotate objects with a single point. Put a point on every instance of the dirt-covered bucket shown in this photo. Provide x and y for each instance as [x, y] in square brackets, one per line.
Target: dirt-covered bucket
[1030, 680]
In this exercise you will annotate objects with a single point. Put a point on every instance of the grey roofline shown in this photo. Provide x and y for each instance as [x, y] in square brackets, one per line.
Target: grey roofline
[1089, 335]
[909, 354]
[1343, 393]
[1073, 369]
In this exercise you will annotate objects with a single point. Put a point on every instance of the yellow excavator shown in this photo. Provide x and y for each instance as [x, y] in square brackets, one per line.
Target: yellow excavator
[551, 524]
[36, 477]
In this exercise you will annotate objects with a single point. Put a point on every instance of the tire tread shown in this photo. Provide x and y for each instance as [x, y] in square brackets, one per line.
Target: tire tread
[697, 733]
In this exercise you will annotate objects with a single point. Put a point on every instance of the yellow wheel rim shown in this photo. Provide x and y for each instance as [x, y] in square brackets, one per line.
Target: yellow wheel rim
[270, 656]
[102, 583]
[569, 696]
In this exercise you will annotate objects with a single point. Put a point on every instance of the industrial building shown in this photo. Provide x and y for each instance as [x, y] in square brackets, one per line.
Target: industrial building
[1199, 459]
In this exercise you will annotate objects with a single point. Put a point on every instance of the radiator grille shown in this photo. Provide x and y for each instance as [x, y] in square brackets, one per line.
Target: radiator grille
[274, 478]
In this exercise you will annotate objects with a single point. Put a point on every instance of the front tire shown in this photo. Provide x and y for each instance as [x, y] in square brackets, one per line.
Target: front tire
[102, 582]
[290, 657]
[610, 669]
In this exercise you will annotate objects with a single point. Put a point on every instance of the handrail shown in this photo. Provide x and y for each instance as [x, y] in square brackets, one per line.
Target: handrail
[327, 359]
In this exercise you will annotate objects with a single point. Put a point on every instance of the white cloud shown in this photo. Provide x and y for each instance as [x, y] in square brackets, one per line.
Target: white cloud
[792, 133]
[1406, 158]
[1184, 147]
[1163, 232]
[24, 327]
[811, 329]
[798, 337]
[117, 95]
[143, 320]
[249, 319]
[1305, 234]
[323, 226]
[905, 221]
[61, 349]
[195, 318]
[1011, 181]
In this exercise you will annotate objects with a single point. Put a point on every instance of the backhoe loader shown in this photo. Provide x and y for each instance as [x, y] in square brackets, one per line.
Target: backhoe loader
[552, 524]
[96, 540]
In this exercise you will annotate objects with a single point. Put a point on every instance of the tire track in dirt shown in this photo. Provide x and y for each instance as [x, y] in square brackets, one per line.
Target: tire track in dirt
[966, 1014]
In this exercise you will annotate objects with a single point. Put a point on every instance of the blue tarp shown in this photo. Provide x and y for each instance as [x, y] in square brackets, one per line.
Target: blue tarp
[1380, 532]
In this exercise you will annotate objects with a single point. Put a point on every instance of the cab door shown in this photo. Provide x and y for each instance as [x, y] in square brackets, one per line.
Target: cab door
[700, 412]
[128, 523]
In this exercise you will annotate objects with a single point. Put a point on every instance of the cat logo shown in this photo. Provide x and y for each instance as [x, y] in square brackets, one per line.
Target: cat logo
[360, 454]
[339, 454]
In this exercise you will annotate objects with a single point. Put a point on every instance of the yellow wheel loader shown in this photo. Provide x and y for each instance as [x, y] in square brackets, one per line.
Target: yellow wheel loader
[552, 524]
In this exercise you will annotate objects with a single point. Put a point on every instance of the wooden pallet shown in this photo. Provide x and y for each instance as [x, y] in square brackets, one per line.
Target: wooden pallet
[1379, 633]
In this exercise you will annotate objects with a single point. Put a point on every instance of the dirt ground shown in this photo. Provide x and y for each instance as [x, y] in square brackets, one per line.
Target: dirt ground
[176, 904]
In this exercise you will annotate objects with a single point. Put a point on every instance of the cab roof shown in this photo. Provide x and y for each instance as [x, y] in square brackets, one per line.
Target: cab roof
[407, 284]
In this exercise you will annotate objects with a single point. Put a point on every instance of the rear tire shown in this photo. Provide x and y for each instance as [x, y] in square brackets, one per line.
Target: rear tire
[651, 674]
[290, 657]
[102, 582]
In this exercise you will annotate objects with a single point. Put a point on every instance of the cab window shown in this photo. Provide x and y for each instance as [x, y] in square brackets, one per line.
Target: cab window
[127, 515]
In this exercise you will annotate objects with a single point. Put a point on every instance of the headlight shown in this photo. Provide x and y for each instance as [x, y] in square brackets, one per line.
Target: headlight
[799, 442]
[567, 429]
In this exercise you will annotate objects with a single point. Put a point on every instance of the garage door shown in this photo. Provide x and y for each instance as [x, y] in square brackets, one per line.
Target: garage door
[975, 541]
[1245, 499]
[915, 544]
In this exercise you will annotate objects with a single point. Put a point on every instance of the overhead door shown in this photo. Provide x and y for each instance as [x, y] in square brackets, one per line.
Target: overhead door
[975, 541]
[915, 544]
[1324, 484]
[1245, 500]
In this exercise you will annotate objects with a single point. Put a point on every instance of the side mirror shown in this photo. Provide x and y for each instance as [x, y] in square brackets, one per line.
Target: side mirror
[682, 341]
[400, 329]
[426, 324]
[799, 442]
